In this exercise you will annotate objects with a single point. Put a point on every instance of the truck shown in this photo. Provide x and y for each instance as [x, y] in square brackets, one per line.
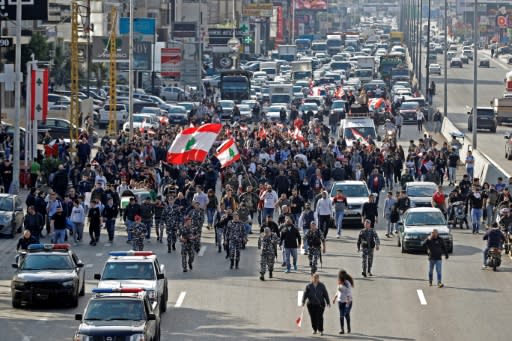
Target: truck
[334, 44]
[503, 109]
[302, 70]
[281, 93]
[386, 65]
[287, 52]
[318, 46]
[270, 68]
[400, 73]
[366, 62]
[303, 45]
[235, 85]
[396, 37]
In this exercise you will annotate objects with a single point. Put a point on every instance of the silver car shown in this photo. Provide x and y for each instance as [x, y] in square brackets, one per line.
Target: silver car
[357, 194]
[11, 214]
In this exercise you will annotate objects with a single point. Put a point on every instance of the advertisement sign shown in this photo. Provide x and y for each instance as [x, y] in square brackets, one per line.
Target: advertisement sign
[32, 9]
[170, 62]
[221, 36]
[141, 53]
[280, 24]
[315, 5]
[143, 28]
[257, 10]
[501, 21]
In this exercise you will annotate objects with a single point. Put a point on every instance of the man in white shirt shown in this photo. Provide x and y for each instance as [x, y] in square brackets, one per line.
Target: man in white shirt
[270, 199]
[323, 213]
[200, 197]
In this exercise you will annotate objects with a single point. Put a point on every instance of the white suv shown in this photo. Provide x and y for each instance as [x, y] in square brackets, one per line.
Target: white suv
[357, 129]
[357, 194]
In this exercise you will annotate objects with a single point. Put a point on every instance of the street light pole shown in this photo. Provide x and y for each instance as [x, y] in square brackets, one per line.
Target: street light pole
[427, 62]
[130, 72]
[17, 99]
[445, 90]
[420, 36]
[475, 75]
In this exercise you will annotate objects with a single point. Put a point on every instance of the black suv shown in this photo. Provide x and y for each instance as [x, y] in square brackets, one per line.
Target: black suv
[121, 314]
[47, 273]
[485, 119]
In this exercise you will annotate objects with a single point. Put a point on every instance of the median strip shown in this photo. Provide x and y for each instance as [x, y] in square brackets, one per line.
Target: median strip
[421, 296]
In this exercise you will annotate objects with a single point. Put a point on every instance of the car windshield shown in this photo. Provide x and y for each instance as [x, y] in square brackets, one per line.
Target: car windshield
[356, 133]
[227, 105]
[47, 262]
[140, 119]
[6, 204]
[115, 309]
[128, 270]
[309, 106]
[177, 110]
[338, 104]
[425, 218]
[485, 112]
[409, 105]
[420, 191]
[350, 190]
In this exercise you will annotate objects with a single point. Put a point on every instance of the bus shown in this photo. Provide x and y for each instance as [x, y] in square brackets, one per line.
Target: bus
[303, 45]
[235, 85]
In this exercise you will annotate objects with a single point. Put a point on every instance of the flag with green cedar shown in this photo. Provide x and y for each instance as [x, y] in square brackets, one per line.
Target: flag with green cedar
[227, 153]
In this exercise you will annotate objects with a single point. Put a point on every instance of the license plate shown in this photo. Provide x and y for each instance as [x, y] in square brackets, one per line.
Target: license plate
[349, 212]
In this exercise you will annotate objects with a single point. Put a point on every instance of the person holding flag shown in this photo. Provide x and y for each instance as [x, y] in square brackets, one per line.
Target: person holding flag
[317, 298]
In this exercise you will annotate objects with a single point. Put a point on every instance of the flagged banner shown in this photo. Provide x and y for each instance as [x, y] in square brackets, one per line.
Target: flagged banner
[39, 95]
[298, 321]
[193, 144]
[227, 153]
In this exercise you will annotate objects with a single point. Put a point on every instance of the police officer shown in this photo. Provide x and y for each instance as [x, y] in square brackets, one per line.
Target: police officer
[307, 216]
[368, 240]
[187, 238]
[173, 218]
[196, 214]
[268, 244]
[159, 221]
[147, 213]
[235, 237]
[138, 231]
[220, 228]
[315, 240]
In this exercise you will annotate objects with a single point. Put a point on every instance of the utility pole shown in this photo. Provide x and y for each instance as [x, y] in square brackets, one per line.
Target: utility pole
[445, 90]
[475, 75]
[427, 61]
[420, 24]
[130, 72]
[15, 185]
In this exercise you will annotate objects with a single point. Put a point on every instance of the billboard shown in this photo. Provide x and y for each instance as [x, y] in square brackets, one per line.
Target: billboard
[141, 53]
[257, 10]
[280, 25]
[143, 28]
[170, 62]
[315, 5]
[31, 9]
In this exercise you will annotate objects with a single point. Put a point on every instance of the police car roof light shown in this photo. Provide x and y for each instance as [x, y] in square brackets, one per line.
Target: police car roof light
[33, 247]
[131, 253]
[117, 290]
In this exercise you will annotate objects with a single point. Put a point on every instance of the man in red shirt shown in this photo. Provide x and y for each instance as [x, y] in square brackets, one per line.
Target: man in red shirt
[438, 199]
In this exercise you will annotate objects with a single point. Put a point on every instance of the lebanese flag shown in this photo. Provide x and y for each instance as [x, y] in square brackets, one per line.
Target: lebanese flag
[357, 135]
[227, 153]
[262, 134]
[299, 319]
[193, 144]
[297, 134]
[39, 94]
[52, 148]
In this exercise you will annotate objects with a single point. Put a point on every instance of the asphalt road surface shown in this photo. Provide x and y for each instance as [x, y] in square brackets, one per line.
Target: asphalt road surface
[460, 95]
[215, 303]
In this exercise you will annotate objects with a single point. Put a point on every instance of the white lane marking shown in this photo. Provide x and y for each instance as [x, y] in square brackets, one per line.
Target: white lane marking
[202, 251]
[99, 254]
[423, 301]
[302, 251]
[107, 244]
[26, 338]
[181, 297]
[89, 265]
[299, 298]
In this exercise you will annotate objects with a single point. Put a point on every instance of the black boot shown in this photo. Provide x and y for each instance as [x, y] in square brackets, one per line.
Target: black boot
[236, 265]
[262, 277]
[270, 274]
[220, 250]
[173, 247]
[342, 320]
[190, 265]
[232, 263]
[348, 323]
[169, 248]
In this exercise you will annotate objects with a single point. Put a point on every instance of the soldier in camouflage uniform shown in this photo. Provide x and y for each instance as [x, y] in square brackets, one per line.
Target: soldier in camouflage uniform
[235, 236]
[220, 229]
[268, 244]
[173, 220]
[187, 238]
[159, 221]
[368, 240]
[197, 215]
[138, 231]
[315, 239]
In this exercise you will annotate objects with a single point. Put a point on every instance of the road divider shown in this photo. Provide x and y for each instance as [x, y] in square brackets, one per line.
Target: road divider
[180, 299]
[421, 296]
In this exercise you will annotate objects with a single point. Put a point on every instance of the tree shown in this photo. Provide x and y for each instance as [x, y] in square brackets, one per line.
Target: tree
[100, 73]
[61, 69]
[37, 46]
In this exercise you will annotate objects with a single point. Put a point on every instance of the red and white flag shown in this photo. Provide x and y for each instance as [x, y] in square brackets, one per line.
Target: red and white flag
[193, 144]
[297, 134]
[39, 95]
[298, 321]
[227, 153]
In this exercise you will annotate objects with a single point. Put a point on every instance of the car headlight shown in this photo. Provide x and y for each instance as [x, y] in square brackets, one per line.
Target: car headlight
[151, 294]
[137, 337]
[68, 283]
[5, 219]
[81, 337]
[18, 284]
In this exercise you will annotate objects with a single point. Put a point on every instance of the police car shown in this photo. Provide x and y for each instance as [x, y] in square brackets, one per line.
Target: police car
[48, 273]
[136, 269]
[119, 314]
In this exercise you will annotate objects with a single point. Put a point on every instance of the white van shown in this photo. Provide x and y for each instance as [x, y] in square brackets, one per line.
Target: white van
[357, 129]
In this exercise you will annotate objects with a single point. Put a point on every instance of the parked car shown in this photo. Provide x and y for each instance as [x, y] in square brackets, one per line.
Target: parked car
[172, 93]
[434, 68]
[11, 214]
[177, 115]
[58, 128]
[485, 119]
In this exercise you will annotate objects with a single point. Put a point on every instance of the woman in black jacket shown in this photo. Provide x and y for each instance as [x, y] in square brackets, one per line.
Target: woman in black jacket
[317, 297]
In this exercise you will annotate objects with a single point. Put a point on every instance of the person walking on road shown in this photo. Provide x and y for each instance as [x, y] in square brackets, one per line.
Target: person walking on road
[291, 239]
[435, 248]
[316, 241]
[323, 212]
[317, 298]
[235, 238]
[267, 243]
[388, 206]
[419, 119]
[344, 298]
[368, 240]
[138, 231]
[340, 203]
[187, 236]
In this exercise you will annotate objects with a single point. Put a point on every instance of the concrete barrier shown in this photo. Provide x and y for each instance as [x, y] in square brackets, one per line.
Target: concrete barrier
[485, 168]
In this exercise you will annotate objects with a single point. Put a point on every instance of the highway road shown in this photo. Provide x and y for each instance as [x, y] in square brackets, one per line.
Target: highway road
[460, 95]
[215, 303]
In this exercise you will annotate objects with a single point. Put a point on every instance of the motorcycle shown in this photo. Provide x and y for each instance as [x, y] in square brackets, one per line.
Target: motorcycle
[494, 258]
[458, 213]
